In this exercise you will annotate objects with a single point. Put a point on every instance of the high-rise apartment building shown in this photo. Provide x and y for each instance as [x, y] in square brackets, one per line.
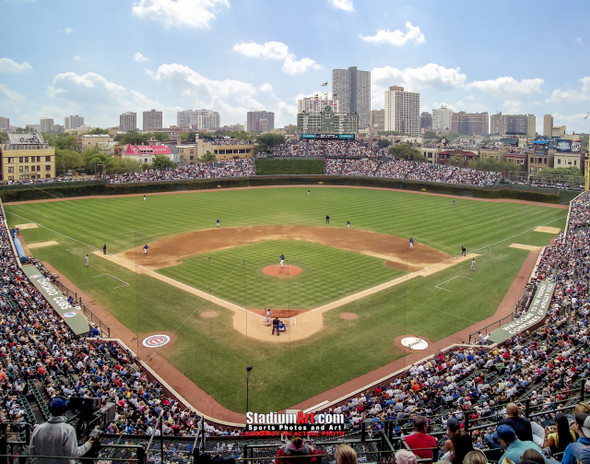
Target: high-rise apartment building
[425, 121]
[4, 124]
[128, 122]
[46, 125]
[73, 122]
[352, 89]
[152, 120]
[377, 120]
[470, 123]
[260, 121]
[195, 120]
[513, 124]
[402, 111]
[547, 125]
[316, 104]
[441, 120]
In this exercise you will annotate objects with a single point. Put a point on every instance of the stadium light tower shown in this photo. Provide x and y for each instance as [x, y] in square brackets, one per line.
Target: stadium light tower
[248, 370]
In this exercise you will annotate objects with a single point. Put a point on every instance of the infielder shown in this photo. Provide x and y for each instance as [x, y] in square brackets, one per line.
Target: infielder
[282, 262]
[411, 243]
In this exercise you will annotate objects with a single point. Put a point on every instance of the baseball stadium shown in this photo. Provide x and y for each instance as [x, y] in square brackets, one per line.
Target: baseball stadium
[156, 303]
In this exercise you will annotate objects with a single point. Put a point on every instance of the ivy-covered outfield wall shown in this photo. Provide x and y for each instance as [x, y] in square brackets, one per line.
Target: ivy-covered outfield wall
[78, 189]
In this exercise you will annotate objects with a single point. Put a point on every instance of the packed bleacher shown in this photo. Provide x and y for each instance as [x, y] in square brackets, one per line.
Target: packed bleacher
[330, 149]
[411, 170]
[227, 168]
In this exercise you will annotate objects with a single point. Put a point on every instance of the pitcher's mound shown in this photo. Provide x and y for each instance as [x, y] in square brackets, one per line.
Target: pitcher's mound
[278, 271]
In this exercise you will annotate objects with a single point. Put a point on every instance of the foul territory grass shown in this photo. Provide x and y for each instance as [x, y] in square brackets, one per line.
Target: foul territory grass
[211, 353]
[237, 274]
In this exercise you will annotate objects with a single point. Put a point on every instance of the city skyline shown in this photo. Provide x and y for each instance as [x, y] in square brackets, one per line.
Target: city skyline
[234, 57]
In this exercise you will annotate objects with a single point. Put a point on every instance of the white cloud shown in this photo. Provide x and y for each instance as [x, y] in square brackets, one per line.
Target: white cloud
[266, 87]
[140, 58]
[414, 79]
[572, 95]
[276, 51]
[77, 58]
[10, 66]
[579, 41]
[230, 97]
[68, 30]
[344, 5]
[397, 37]
[506, 88]
[191, 14]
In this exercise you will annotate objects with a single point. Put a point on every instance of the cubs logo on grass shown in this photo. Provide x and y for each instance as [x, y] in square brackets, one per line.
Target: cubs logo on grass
[155, 341]
[414, 343]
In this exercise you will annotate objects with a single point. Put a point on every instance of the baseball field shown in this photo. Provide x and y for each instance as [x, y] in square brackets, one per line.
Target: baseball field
[346, 294]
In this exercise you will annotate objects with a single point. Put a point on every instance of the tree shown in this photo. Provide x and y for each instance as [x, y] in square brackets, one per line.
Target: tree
[97, 131]
[134, 138]
[406, 152]
[208, 158]
[162, 162]
[491, 164]
[160, 136]
[383, 143]
[456, 161]
[431, 135]
[62, 141]
[68, 160]
[115, 165]
[188, 137]
[266, 142]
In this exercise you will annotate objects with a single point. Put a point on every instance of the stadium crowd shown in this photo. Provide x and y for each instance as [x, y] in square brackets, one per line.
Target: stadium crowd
[411, 170]
[227, 168]
[330, 149]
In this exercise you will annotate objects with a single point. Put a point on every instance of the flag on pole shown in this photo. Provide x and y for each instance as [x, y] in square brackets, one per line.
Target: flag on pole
[325, 84]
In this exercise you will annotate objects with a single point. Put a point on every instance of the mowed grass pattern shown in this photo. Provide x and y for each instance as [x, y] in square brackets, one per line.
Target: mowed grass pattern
[328, 274]
[211, 353]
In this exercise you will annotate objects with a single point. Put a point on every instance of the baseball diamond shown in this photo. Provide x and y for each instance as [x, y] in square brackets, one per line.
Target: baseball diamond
[195, 270]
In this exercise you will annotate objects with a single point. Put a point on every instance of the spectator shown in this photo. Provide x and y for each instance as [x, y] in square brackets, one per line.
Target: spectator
[56, 437]
[560, 436]
[345, 455]
[512, 445]
[461, 446]
[520, 425]
[475, 457]
[405, 457]
[453, 427]
[531, 456]
[423, 445]
[578, 451]
[296, 452]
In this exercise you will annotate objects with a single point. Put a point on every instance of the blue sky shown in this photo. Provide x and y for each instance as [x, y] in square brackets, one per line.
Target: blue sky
[101, 58]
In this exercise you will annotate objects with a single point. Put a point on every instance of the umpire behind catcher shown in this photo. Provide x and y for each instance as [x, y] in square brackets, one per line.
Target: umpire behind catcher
[57, 438]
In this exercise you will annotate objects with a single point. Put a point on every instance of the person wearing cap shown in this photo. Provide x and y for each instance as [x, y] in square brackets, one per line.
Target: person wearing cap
[453, 426]
[513, 447]
[578, 451]
[57, 438]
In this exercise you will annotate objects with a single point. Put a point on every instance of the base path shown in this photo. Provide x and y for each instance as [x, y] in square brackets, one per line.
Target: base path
[170, 251]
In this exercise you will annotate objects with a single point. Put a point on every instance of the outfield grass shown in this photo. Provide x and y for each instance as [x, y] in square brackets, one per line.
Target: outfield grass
[211, 353]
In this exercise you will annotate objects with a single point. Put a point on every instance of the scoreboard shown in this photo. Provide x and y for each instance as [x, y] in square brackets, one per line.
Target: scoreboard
[328, 136]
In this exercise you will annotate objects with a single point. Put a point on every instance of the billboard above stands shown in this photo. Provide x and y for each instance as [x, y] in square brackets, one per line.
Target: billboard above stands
[563, 145]
[328, 136]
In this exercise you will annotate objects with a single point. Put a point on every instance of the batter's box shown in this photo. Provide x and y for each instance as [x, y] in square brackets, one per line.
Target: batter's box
[440, 286]
[125, 284]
